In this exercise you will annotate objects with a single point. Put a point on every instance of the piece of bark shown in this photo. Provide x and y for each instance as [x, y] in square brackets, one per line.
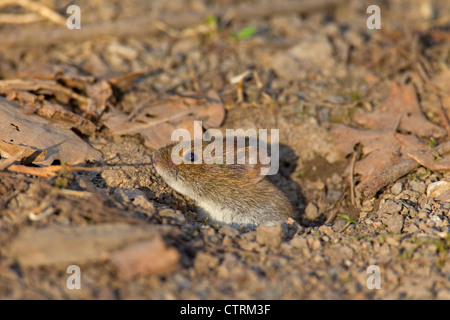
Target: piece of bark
[56, 245]
[145, 258]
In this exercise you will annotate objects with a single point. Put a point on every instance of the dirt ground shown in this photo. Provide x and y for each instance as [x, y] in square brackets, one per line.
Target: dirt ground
[308, 72]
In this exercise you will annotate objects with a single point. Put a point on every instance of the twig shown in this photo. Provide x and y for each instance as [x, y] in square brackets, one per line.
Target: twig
[444, 116]
[356, 155]
[37, 7]
[142, 25]
[370, 188]
[5, 163]
[50, 171]
[20, 18]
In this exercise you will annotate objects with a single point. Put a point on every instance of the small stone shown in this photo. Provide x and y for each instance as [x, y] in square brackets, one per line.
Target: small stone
[179, 218]
[437, 220]
[438, 188]
[314, 243]
[444, 197]
[269, 236]
[418, 186]
[142, 201]
[311, 212]
[292, 227]
[339, 225]
[333, 196]
[423, 214]
[412, 228]
[395, 223]
[228, 231]
[247, 241]
[367, 205]
[298, 242]
[127, 195]
[391, 207]
[205, 262]
[397, 188]
[326, 229]
[169, 213]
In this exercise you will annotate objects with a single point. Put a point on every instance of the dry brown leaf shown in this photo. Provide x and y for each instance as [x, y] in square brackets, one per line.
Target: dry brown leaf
[46, 87]
[98, 94]
[29, 154]
[38, 133]
[66, 74]
[381, 146]
[59, 115]
[401, 107]
[380, 149]
[125, 81]
[423, 153]
[157, 121]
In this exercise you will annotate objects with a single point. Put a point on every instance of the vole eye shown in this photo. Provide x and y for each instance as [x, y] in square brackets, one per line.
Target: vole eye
[190, 157]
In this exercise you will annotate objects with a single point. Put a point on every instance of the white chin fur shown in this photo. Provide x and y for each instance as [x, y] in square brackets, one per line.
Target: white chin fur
[216, 214]
[175, 184]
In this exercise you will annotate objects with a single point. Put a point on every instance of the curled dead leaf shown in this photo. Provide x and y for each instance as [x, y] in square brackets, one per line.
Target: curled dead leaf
[157, 121]
[37, 133]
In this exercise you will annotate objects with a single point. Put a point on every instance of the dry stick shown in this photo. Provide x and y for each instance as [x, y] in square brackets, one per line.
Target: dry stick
[370, 188]
[146, 24]
[37, 7]
[35, 85]
[444, 116]
[20, 18]
[356, 154]
[48, 171]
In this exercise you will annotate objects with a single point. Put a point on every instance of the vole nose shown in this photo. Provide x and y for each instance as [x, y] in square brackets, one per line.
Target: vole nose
[155, 160]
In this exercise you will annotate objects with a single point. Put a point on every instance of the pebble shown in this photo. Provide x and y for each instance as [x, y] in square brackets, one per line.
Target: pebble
[314, 243]
[397, 188]
[339, 225]
[269, 236]
[298, 242]
[436, 220]
[169, 213]
[311, 212]
[333, 196]
[141, 200]
[228, 231]
[394, 223]
[391, 207]
[437, 188]
[418, 186]
[367, 205]
[205, 262]
[423, 213]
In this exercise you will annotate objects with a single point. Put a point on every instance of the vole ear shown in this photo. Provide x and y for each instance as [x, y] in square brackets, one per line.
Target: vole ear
[253, 165]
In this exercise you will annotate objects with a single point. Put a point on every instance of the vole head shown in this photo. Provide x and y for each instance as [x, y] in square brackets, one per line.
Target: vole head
[205, 169]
